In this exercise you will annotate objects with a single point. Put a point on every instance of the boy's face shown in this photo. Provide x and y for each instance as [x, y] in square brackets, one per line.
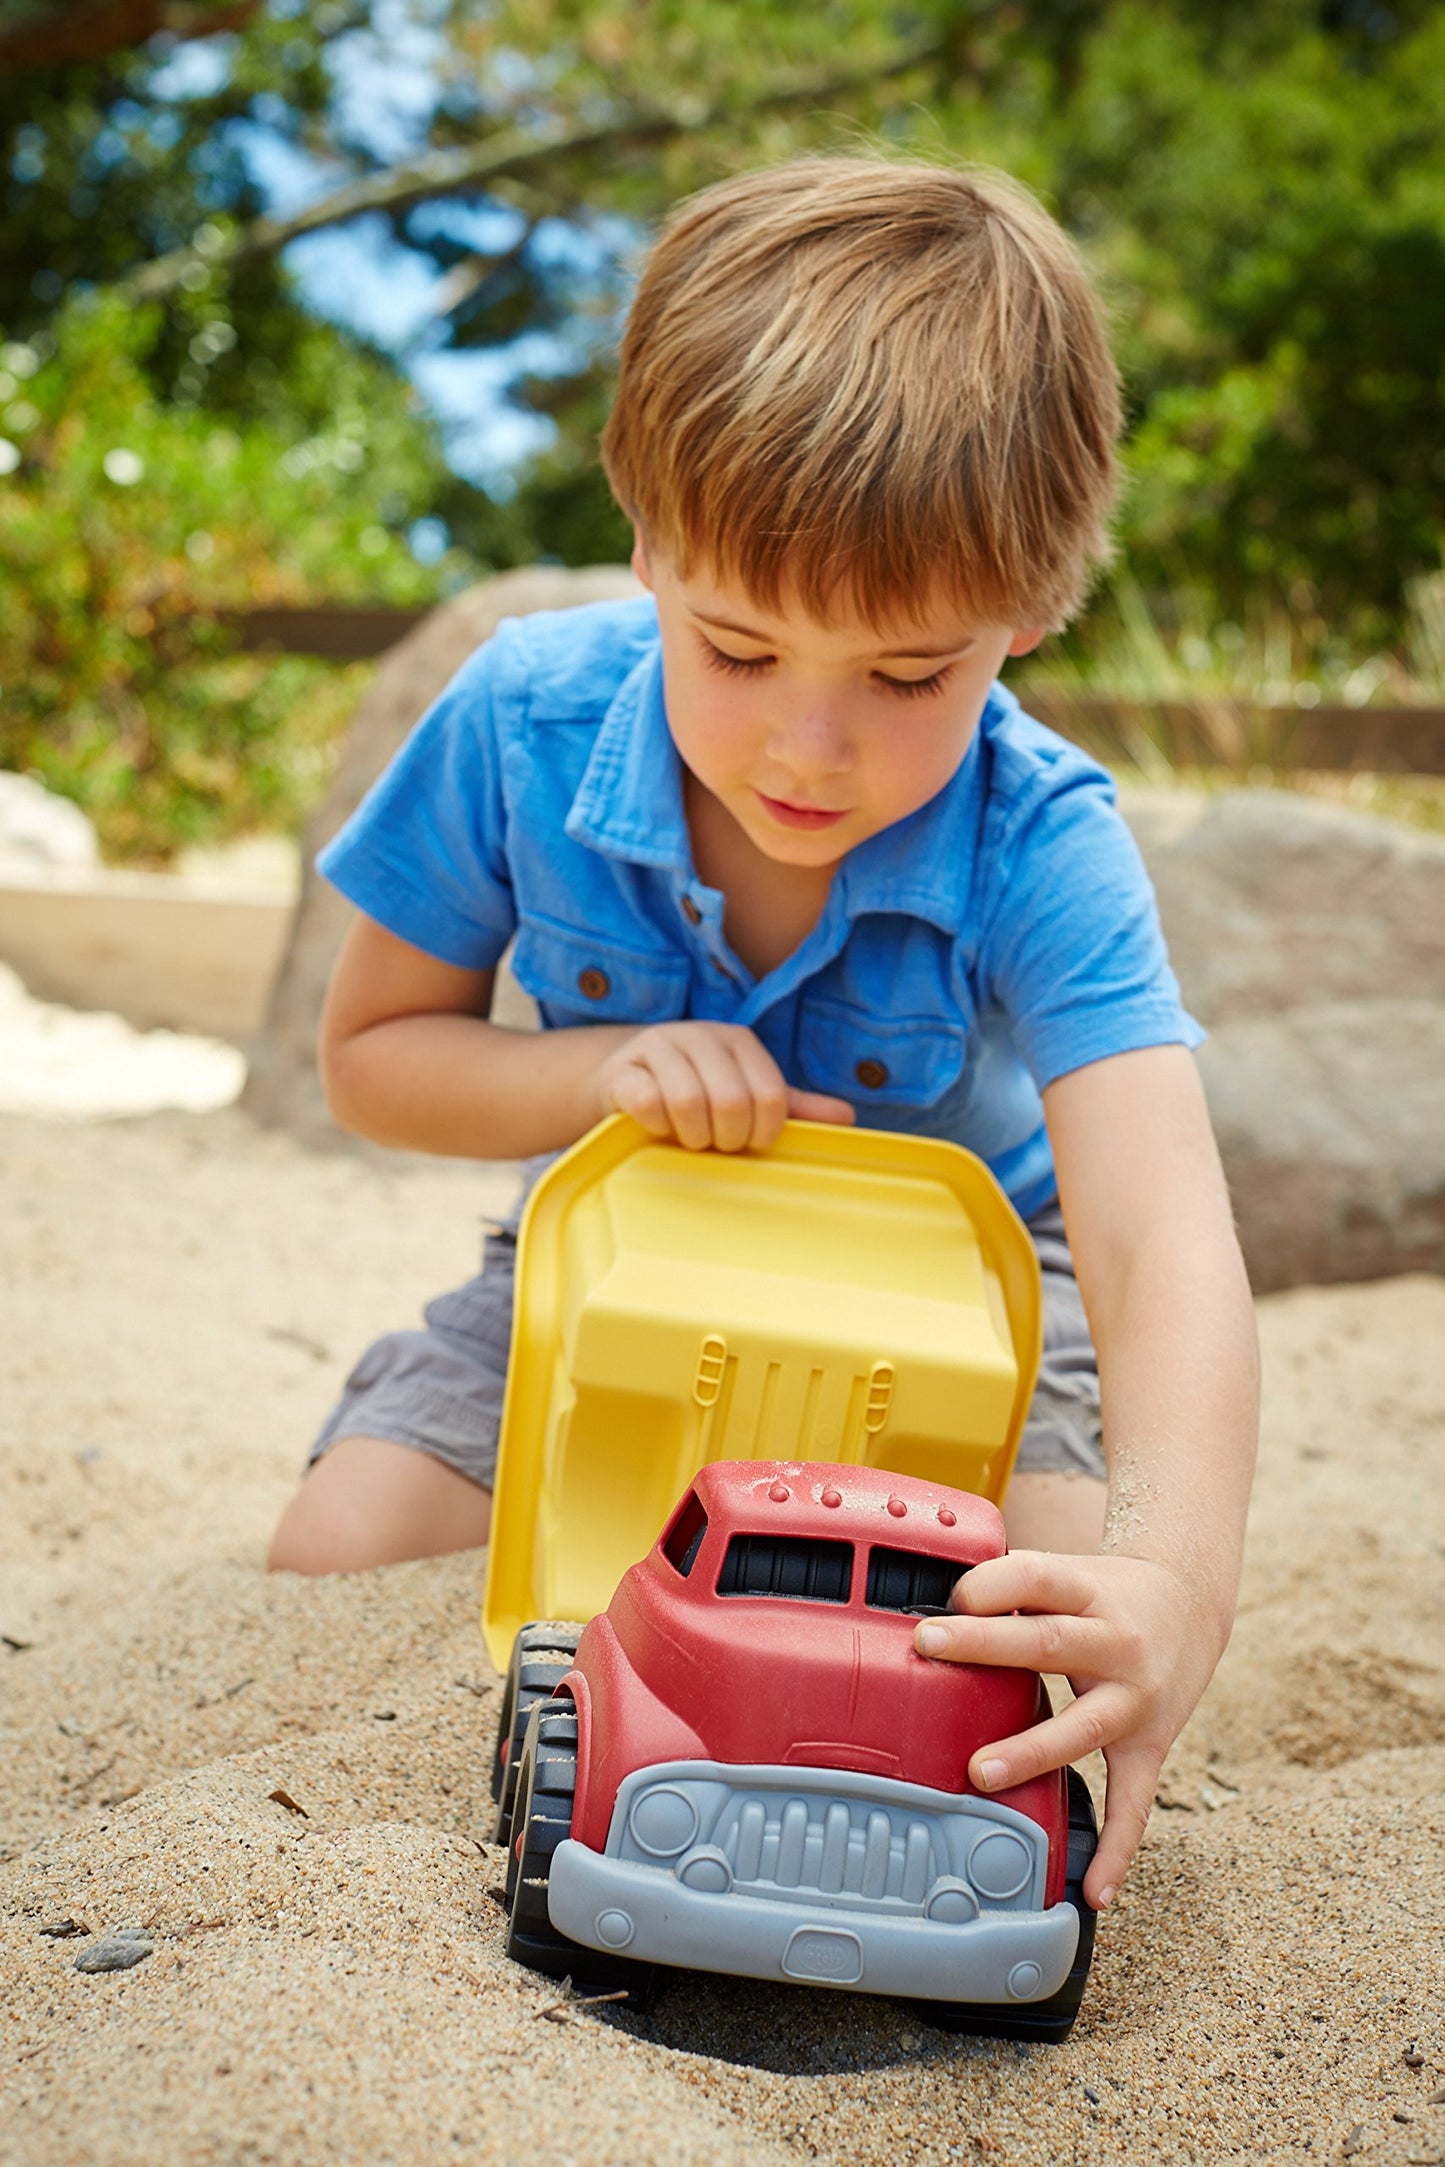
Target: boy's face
[815, 736]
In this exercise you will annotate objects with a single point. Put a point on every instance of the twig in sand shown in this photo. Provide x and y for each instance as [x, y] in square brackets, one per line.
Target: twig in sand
[557, 2011]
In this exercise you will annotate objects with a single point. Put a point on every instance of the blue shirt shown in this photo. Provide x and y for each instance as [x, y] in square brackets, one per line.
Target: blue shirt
[1001, 935]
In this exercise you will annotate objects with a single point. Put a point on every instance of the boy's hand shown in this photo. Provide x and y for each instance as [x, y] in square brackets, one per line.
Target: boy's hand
[1133, 1644]
[708, 1084]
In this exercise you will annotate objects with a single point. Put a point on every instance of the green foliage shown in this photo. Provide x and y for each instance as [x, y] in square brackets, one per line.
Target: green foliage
[1266, 201]
[128, 530]
[1261, 190]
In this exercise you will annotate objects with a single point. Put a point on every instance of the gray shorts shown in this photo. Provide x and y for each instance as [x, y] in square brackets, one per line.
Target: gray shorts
[439, 1390]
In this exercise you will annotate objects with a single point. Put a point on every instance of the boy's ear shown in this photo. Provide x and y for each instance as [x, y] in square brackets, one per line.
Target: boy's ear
[640, 564]
[1024, 643]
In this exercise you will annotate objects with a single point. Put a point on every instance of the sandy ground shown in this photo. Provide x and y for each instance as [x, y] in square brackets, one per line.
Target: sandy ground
[180, 1298]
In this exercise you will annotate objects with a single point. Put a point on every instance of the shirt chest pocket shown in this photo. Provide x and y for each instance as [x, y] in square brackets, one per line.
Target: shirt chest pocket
[878, 1061]
[583, 977]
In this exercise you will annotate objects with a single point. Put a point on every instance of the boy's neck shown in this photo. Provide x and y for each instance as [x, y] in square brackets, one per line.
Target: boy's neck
[768, 909]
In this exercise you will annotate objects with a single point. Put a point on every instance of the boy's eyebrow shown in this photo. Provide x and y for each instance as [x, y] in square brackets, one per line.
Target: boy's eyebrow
[890, 654]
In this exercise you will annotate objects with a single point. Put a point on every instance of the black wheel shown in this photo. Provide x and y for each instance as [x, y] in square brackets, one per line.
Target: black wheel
[1048, 2021]
[546, 1785]
[541, 1658]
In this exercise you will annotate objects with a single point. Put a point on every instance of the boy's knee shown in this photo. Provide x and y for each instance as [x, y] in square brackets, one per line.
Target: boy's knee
[306, 1550]
[369, 1501]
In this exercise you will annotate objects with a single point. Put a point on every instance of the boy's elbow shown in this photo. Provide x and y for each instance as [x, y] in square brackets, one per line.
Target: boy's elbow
[346, 1077]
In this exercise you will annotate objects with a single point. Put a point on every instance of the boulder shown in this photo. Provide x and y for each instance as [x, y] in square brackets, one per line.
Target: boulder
[282, 1088]
[1310, 942]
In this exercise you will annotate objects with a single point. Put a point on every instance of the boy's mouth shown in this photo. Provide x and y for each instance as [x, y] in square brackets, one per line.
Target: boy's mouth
[798, 816]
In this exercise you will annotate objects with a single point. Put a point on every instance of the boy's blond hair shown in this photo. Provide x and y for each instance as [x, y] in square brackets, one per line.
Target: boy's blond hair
[885, 384]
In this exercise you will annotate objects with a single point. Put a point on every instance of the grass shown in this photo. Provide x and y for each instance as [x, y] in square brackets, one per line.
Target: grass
[1132, 650]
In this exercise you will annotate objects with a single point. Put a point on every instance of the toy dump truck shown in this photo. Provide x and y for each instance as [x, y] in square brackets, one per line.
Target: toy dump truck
[719, 1748]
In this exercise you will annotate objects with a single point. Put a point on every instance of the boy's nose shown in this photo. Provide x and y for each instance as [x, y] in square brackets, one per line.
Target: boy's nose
[815, 741]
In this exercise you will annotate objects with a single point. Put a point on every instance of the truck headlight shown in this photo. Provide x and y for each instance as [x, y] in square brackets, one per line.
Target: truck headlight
[1000, 1864]
[663, 1821]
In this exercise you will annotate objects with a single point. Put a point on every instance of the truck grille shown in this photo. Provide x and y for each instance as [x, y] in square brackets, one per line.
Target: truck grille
[836, 1838]
[827, 1848]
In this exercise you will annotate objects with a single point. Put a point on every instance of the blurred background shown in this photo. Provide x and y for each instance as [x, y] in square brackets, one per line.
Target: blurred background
[307, 316]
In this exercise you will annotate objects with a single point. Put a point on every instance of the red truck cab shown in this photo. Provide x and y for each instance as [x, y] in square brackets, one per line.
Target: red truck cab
[747, 1768]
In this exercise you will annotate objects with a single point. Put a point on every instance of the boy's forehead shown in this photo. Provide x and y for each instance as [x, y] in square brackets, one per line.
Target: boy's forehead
[938, 626]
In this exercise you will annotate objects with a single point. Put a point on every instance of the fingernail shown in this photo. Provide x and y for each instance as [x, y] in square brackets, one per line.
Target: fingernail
[993, 1774]
[1106, 1896]
[930, 1640]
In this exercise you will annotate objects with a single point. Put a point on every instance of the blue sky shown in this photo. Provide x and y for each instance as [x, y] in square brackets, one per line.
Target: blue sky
[359, 275]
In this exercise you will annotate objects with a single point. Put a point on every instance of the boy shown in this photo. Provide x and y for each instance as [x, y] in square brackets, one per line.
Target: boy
[773, 841]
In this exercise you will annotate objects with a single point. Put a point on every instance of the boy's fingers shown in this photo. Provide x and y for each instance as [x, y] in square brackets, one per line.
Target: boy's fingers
[1085, 1726]
[1054, 1641]
[767, 1090]
[1025, 1580]
[727, 1090]
[680, 1088]
[1133, 1776]
[818, 1106]
[635, 1090]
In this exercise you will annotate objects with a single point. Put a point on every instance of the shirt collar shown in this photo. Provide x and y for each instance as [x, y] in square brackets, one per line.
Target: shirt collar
[629, 803]
[629, 806]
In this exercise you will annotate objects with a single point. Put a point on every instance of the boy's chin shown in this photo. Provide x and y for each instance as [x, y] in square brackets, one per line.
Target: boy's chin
[796, 846]
[824, 847]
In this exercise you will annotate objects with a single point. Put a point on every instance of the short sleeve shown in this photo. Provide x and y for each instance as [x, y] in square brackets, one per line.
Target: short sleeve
[425, 853]
[1074, 953]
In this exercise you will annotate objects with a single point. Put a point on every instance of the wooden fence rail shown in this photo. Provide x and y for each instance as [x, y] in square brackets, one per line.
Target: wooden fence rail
[1206, 733]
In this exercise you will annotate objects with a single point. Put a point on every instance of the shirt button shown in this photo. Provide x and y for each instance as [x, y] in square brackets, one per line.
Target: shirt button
[690, 911]
[594, 983]
[871, 1074]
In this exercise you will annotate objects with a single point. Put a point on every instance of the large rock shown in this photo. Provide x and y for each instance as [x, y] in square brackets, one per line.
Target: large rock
[1311, 943]
[282, 1087]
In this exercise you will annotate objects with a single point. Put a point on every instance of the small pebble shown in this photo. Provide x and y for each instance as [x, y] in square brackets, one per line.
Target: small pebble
[1091, 2095]
[1354, 2141]
[1412, 2057]
[63, 1929]
[117, 1950]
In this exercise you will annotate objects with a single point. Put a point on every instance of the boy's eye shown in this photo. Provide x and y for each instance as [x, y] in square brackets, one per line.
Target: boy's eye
[907, 688]
[735, 665]
[917, 688]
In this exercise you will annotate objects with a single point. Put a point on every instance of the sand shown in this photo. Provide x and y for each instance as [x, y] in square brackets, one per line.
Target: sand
[180, 1298]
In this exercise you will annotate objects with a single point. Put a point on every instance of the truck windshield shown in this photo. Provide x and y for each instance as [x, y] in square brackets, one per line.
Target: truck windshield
[902, 1580]
[683, 1540]
[799, 1568]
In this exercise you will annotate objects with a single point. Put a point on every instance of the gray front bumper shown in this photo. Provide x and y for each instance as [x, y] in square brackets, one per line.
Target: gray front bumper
[640, 1911]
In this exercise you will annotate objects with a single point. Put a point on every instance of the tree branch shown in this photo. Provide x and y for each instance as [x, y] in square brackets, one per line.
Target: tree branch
[510, 154]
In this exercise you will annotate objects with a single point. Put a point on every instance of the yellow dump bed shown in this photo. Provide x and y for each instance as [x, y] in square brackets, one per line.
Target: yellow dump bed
[850, 1294]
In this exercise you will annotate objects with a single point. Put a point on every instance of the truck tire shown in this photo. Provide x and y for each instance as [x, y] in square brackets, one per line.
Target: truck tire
[1051, 2021]
[546, 1786]
[541, 1658]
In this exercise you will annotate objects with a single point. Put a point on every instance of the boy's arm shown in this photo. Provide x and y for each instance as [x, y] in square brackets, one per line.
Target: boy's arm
[408, 1058]
[1139, 1629]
